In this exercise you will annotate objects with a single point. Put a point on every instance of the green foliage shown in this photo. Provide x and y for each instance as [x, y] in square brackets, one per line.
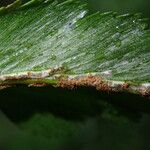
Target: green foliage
[56, 36]
[42, 41]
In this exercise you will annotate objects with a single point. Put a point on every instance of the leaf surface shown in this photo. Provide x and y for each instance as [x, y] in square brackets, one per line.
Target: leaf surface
[59, 44]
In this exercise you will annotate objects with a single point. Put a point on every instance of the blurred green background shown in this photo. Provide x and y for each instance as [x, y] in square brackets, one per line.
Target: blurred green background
[120, 6]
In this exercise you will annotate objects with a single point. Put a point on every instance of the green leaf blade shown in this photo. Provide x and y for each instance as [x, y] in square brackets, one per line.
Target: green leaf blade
[58, 39]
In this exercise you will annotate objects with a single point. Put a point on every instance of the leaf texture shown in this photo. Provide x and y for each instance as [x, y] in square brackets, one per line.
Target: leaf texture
[52, 41]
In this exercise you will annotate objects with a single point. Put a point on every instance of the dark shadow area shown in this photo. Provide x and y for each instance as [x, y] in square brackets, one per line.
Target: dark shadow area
[5, 2]
[130, 101]
[130, 105]
[20, 103]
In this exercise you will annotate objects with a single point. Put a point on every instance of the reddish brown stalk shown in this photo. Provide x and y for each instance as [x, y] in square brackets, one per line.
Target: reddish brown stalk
[89, 81]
